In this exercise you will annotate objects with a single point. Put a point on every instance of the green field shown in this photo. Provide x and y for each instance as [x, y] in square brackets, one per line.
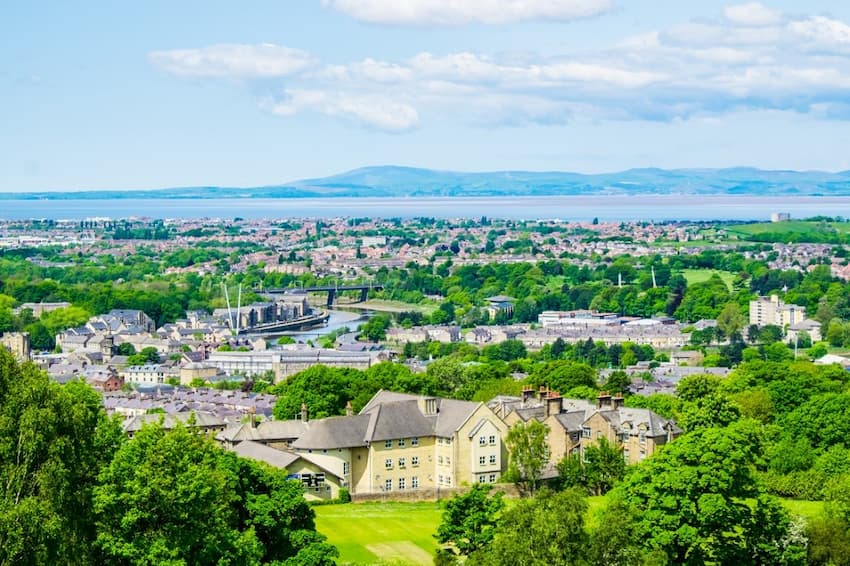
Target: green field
[402, 533]
[787, 227]
[383, 305]
[700, 275]
[367, 533]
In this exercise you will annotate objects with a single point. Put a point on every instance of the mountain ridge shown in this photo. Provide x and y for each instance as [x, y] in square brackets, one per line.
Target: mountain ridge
[395, 181]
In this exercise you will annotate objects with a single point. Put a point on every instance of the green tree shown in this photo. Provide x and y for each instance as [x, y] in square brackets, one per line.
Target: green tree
[730, 320]
[528, 452]
[548, 529]
[604, 466]
[698, 500]
[174, 497]
[469, 520]
[54, 440]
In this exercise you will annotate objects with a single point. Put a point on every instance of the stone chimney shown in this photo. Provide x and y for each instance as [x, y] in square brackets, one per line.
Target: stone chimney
[603, 400]
[619, 401]
[527, 394]
[348, 409]
[252, 415]
[303, 412]
[553, 404]
[541, 393]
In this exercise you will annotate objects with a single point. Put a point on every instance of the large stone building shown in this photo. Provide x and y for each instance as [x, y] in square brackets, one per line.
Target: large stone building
[403, 443]
[574, 424]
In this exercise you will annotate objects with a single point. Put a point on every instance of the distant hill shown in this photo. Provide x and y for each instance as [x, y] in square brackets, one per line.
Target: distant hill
[399, 182]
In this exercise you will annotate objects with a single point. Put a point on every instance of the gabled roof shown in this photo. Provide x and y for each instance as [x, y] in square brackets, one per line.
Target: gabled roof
[388, 415]
[334, 432]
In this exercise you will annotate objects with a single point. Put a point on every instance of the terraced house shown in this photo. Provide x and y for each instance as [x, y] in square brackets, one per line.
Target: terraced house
[402, 442]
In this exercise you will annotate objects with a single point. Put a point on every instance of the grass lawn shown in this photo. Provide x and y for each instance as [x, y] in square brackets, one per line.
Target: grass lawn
[393, 306]
[366, 533]
[801, 508]
[700, 275]
[402, 533]
[787, 227]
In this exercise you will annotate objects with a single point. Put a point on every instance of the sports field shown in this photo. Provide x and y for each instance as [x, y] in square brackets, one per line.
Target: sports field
[402, 533]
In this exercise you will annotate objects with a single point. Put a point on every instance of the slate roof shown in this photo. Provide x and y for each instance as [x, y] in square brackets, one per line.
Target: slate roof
[388, 415]
[334, 432]
[202, 420]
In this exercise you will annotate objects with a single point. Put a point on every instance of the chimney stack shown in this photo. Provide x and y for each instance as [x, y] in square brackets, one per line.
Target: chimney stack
[527, 394]
[252, 414]
[619, 401]
[348, 409]
[541, 393]
[303, 412]
[553, 404]
[603, 400]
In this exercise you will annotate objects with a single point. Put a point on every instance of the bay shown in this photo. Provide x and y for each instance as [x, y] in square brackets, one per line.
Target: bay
[607, 208]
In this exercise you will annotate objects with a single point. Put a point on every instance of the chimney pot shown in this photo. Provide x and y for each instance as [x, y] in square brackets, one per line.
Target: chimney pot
[304, 412]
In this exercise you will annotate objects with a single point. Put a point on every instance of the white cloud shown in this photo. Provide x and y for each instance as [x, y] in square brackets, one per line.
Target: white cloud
[371, 111]
[753, 14]
[234, 61]
[460, 12]
[748, 58]
[822, 30]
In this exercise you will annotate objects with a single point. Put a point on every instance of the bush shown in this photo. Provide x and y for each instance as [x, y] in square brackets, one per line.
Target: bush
[344, 495]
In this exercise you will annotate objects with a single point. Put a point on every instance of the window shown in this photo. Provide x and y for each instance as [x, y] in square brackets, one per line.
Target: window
[401, 443]
[388, 485]
[642, 437]
[414, 460]
[482, 460]
[492, 478]
[401, 462]
[388, 444]
[642, 453]
[492, 439]
[482, 478]
[414, 441]
[401, 483]
[626, 455]
[482, 441]
[439, 479]
[439, 459]
[448, 480]
[585, 432]
[492, 459]
[414, 482]
[345, 468]
[448, 461]
[388, 463]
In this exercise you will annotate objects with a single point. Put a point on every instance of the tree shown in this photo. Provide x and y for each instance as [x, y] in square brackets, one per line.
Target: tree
[604, 466]
[698, 501]
[730, 320]
[174, 497]
[528, 452]
[548, 529]
[54, 440]
[469, 519]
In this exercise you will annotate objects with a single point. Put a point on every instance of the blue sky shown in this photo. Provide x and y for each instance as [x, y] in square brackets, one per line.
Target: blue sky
[97, 95]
